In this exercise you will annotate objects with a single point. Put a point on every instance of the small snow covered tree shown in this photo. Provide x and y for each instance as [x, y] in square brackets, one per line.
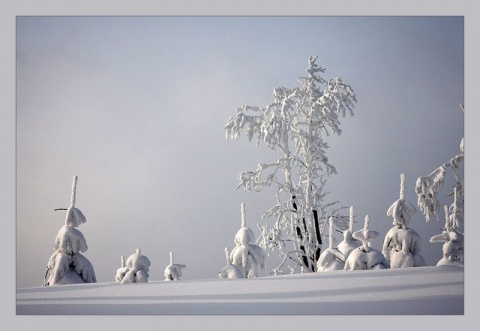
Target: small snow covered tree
[230, 270]
[135, 270]
[348, 244]
[67, 265]
[122, 271]
[366, 257]
[331, 258]
[296, 124]
[246, 255]
[402, 244]
[173, 271]
[453, 242]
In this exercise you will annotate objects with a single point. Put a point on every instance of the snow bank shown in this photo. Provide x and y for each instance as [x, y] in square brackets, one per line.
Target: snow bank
[403, 291]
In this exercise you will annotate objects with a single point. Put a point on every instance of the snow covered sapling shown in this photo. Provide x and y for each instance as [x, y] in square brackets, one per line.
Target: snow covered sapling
[122, 270]
[365, 257]
[67, 265]
[246, 255]
[331, 258]
[402, 244]
[296, 124]
[230, 270]
[173, 271]
[453, 242]
[348, 244]
[136, 268]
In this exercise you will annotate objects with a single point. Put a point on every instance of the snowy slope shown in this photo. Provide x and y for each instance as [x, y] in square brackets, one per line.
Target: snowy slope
[407, 291]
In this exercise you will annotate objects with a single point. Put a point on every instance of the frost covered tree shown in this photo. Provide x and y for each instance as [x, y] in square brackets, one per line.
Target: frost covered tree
[173, 271]
[348, 244]
[453, 241]
[402, 244]
[135, 270]
[366, 257]
[331, 258]
[246, 255]
[122, 270]
[428, 189]
[230, 270]
[67, 265]
[296, 125]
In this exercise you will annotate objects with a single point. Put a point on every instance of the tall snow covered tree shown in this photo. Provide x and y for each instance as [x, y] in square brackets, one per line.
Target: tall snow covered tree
[67, 265]
[296, 124]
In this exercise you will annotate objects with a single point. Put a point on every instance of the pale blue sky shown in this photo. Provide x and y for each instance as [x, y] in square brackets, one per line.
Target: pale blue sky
[135, 107]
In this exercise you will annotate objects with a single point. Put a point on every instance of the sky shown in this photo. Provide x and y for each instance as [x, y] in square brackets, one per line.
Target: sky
[136, 107]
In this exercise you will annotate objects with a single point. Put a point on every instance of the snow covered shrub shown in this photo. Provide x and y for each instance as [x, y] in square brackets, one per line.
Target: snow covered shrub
[296, 125]
[365, 257]
[173, 271]
[453, 242]
[135, 270]
[230, 270]
[246, 255]
[402, 244]
[331, 258]
[67, 265]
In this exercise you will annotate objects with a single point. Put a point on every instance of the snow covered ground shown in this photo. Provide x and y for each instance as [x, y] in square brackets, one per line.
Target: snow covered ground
[407, 291]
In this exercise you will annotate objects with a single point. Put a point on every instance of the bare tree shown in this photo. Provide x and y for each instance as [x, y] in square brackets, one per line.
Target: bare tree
[296, 124]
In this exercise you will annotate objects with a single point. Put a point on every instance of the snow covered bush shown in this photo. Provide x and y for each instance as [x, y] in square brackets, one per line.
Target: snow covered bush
[296, 125]
[246, 255]
[135, 270]
[331, 258]
[402, 244]
[365, 257]
[67, 265]
[173, 271]
[453, 242]
[230, 270]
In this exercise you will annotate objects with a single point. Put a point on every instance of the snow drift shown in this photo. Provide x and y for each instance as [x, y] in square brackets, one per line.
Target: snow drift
[404, 291]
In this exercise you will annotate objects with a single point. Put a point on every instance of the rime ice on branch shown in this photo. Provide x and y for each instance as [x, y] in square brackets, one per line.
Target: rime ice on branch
[402, 245]
[230, 270]
[365, 257]
[135, 270]
[453, 242]
[246, 255]
[173, 271]
[331, 258]
[296, 125]
[67, 265]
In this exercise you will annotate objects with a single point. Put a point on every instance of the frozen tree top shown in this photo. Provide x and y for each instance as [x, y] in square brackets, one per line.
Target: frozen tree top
[74, 216]
[401, 210]
[244, 235]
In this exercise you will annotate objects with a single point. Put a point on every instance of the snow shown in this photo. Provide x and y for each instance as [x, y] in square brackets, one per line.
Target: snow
[429, 290]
